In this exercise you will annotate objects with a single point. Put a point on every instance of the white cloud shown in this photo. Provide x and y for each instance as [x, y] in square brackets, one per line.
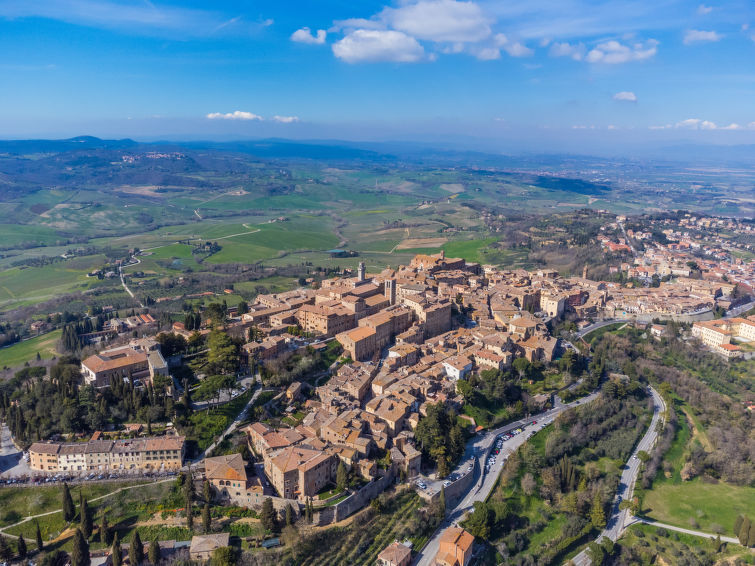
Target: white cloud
[488, 53]
[699, 36]
[237, 115]
[439, 20]
[285, 119]
[362, 45]
[355, 23]
[576, 51]
[143, 18]
[702, 9]
[513, 48]
[698, 124]
[305, 35]
[625, 96]
[613, 52]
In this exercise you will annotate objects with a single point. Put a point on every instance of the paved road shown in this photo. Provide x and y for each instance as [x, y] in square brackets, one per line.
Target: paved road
[617, 521]
[233, 426]
[123, 281]
[478, 449]
[634, 520]
[601, 324]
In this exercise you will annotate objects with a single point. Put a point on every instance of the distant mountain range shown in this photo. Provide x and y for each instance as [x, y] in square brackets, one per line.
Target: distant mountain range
[377, 151]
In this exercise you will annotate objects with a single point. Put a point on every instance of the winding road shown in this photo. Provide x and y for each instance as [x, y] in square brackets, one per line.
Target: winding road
[479, 448]
[617, 521]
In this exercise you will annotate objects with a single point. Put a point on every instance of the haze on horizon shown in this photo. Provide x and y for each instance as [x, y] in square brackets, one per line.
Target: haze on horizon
[542, 74]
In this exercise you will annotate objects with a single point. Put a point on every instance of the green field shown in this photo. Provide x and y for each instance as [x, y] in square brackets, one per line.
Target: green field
[27, 350]
[123, 509]
[21, 502]
[469, 250]
[274, 239]
[705, 503]
[29, 285]
[677, 502]
[12, 235]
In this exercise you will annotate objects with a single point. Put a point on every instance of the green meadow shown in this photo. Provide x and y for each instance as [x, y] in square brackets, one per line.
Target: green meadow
[26, 351]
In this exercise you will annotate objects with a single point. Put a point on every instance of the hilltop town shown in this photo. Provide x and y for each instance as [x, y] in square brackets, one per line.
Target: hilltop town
[404, 369]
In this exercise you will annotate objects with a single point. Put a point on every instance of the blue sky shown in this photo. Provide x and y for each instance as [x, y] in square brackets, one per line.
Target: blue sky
[550, 73]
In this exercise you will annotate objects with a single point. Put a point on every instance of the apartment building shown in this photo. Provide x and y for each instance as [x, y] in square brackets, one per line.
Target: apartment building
[155, 453]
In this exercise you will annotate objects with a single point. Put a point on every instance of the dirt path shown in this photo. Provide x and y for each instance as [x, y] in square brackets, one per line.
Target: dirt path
[37, 516]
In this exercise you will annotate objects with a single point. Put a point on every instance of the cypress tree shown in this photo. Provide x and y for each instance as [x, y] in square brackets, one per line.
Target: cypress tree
[40, 543]
[154, 552]
[267, 515]
[69, 510]
[207, 491]
[5, 550]
[189, 514]
[105, 531]
[80, 550]
[206, 518]
[136, 550]
[117, 552]
[597, 515]
[85, 519]
[738, 524]
[442, 500]
[342, 478]
[289, 515]
[744, 532]
[21, 547]
[751, 539]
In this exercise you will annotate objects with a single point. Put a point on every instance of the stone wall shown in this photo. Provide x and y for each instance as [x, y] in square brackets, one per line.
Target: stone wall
[354, 502]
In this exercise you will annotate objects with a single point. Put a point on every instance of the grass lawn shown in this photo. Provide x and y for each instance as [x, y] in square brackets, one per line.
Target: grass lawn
[21, 502]
[708, 504]
[30, 285]
[673, 548]
[469, 250]
[596, 334]
[123, 510]
[26, 351]
[207, 425]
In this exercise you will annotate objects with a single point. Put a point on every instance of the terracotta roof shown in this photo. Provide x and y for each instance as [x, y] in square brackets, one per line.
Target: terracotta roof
[458, 537]
[395, 553]
[208, 543]
[229, 467]
[114, 359]
[44, 448]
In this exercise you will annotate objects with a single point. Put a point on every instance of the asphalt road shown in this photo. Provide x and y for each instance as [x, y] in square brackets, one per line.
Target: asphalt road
[478, 448]
[617, 521]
